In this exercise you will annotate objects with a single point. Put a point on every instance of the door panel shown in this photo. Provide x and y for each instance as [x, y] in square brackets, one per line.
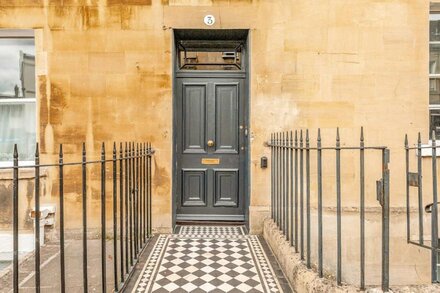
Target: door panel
[226, 188]
[193, 193]
[210, 148]
[194, 112]
[226, 118]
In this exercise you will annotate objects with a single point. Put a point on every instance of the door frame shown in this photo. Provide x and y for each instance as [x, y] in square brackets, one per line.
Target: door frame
[244, 74]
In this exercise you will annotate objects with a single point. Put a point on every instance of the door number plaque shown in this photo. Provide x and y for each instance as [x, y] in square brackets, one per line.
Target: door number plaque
[210, 161]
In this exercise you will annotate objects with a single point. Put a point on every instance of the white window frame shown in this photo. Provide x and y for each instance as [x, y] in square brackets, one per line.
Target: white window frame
[437, 14]
[18, 34]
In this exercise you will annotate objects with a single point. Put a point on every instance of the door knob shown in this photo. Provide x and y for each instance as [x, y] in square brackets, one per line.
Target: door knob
[210, 143]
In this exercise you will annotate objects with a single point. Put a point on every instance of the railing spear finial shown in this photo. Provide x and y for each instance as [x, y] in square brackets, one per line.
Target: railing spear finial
[338, 139]
[362, 134]
[296, 137]
[15, 151]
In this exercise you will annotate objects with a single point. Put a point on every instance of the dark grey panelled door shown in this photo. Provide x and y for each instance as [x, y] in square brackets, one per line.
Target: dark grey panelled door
[210, 150]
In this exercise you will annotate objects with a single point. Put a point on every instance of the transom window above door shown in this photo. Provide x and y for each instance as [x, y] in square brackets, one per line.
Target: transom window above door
[210, 49]
[210, 55]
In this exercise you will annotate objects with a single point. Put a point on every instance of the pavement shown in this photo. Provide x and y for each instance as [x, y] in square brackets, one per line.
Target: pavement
[50, 268]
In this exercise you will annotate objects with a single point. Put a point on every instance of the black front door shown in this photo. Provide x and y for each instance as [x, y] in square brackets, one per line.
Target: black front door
[210, 148]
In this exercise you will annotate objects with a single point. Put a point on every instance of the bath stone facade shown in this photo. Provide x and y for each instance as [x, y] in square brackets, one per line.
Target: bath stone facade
[104, 73]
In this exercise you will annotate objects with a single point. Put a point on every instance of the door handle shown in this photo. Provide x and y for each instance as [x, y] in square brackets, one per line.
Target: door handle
[210, 143]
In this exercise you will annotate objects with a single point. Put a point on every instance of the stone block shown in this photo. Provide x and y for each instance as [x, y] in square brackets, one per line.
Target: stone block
[106, 63]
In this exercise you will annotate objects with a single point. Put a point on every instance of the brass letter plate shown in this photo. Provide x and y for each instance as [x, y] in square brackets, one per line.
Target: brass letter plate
[209, 161]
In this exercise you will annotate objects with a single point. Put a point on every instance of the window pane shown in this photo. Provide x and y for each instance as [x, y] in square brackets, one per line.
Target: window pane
[17, 126]
[210, 55]
[17, 98]
[17, 68]
[435, 122]
[434, 59]
[210, 60]
[434, 91]
[434, 27]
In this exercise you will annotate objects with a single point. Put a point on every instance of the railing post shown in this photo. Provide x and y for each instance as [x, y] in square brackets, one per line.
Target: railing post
[291, 189]
[84, 217]
[385, 220]
[147, 200]
[338, 208]
[434, 215]
[283, 183]
[419, 187]
[309, 265]
[62, 244]
[121, 210]
[15, 201]
[130, 196]
[272, 186]
[135, 199]
[103, 224]
[142, 192]
[362, 208]
[37, 219]
[150, 186]
[135, 220]
[127, 191]
[408, 215]
[301, 192]
[296, 191]
[287, 190]
[280, 182]
[115, 226]
[277, 186]
[320, 250]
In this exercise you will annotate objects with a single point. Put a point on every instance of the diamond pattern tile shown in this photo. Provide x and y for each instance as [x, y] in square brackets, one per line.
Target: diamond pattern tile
[208, 259]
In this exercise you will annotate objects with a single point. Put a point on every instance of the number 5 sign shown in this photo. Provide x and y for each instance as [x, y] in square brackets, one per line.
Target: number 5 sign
[209, 20]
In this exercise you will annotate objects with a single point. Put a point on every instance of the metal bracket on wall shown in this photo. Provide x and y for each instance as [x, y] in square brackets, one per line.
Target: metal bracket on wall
[413, 179]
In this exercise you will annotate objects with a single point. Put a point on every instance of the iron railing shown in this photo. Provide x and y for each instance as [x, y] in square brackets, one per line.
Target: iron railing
[415, 179]
[131, 196]
[291, 196]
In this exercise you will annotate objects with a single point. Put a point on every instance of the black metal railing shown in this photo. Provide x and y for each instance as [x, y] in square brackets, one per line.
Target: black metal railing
[415, 179]
[131, 197]
[291, 196]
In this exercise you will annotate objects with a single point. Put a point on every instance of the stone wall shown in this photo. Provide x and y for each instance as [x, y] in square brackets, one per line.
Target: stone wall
[304, 280]
[104, 73]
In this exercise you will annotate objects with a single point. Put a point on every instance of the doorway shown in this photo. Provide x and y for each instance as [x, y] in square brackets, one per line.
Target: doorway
[210, 150]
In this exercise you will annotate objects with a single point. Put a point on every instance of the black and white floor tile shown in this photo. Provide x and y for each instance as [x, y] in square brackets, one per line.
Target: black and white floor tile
[208, 259]
[211, 231]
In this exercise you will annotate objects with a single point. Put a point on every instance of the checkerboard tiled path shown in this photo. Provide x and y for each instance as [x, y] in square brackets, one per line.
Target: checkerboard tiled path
[208, 259]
